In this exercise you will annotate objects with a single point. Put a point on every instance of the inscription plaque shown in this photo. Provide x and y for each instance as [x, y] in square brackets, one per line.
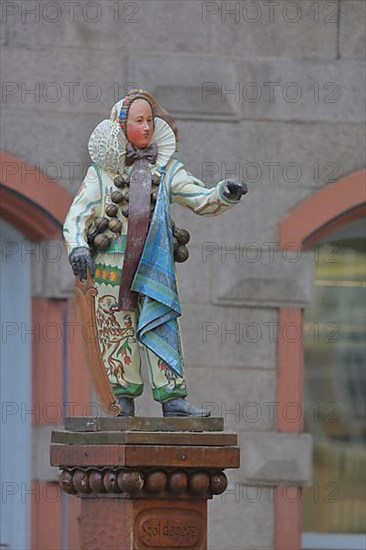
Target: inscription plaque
[161, 528]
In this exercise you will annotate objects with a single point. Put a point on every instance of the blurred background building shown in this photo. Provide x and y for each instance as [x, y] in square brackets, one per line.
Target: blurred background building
[268, 92]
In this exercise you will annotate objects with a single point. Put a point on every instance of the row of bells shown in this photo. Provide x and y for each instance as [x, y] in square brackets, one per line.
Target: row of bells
[99, 240]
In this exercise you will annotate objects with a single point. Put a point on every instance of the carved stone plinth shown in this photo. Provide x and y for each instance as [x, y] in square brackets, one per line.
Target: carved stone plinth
[144, 482]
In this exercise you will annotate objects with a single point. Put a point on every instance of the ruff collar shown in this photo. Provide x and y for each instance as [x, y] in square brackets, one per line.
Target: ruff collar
[107, 143]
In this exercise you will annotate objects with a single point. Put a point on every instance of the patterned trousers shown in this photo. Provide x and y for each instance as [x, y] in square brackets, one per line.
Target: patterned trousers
[118, 343]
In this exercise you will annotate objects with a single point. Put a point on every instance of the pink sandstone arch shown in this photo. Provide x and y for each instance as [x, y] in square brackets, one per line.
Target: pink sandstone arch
[33, 204]
[319, 215]
[339, 203]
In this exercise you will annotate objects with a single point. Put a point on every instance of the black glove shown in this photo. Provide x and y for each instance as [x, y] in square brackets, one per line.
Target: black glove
[81, 259]
[235, 189]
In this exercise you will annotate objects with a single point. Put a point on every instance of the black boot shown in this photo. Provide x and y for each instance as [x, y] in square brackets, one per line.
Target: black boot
[181, 407]
[127, 405]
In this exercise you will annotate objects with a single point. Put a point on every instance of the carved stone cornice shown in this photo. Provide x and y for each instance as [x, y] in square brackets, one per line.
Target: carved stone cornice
[143, 483]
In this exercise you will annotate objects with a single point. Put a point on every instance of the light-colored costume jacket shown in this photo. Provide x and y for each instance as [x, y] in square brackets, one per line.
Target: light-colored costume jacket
[95, 194]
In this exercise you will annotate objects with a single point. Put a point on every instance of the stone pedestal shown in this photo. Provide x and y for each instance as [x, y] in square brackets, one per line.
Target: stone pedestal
[144, 482]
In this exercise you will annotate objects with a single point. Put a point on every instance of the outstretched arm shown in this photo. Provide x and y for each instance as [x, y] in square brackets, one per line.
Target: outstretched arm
[191, 192]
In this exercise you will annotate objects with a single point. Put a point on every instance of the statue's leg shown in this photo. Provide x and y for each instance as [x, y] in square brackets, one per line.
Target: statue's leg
[116, 330]
[165, 383]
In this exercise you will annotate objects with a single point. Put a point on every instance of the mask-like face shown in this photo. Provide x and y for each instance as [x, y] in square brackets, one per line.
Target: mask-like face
[140, 126]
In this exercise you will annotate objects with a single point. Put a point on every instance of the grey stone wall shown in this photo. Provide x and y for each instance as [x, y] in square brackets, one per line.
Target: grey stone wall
[272, 94]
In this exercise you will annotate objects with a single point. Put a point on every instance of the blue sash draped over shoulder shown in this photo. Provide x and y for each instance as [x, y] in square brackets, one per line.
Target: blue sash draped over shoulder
[155, 281]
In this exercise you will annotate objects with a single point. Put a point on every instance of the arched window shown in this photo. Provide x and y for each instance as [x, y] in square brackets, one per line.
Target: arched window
[334, 507]
[333, 217]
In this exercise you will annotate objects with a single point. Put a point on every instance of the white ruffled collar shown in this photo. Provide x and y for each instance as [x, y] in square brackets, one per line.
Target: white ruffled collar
[107, 144]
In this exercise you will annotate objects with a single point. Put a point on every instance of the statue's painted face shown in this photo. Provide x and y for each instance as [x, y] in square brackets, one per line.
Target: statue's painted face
[140, 126]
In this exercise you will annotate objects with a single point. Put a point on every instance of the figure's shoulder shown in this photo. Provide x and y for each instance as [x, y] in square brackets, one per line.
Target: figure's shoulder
[174, 165]
[96, 172]
[96, 180]
[173, 160]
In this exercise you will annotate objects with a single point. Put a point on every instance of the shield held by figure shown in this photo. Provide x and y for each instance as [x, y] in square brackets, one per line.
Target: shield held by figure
[85, 300]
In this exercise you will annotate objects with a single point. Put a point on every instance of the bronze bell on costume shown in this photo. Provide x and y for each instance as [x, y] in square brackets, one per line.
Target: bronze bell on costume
[181, 237]
[98, 239]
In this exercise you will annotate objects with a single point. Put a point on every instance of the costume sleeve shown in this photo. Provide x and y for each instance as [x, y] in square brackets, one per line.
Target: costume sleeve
[191, 192]
[86, 206]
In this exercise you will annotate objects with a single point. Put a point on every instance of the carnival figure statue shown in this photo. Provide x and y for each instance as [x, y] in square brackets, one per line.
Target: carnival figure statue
[120, 230]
